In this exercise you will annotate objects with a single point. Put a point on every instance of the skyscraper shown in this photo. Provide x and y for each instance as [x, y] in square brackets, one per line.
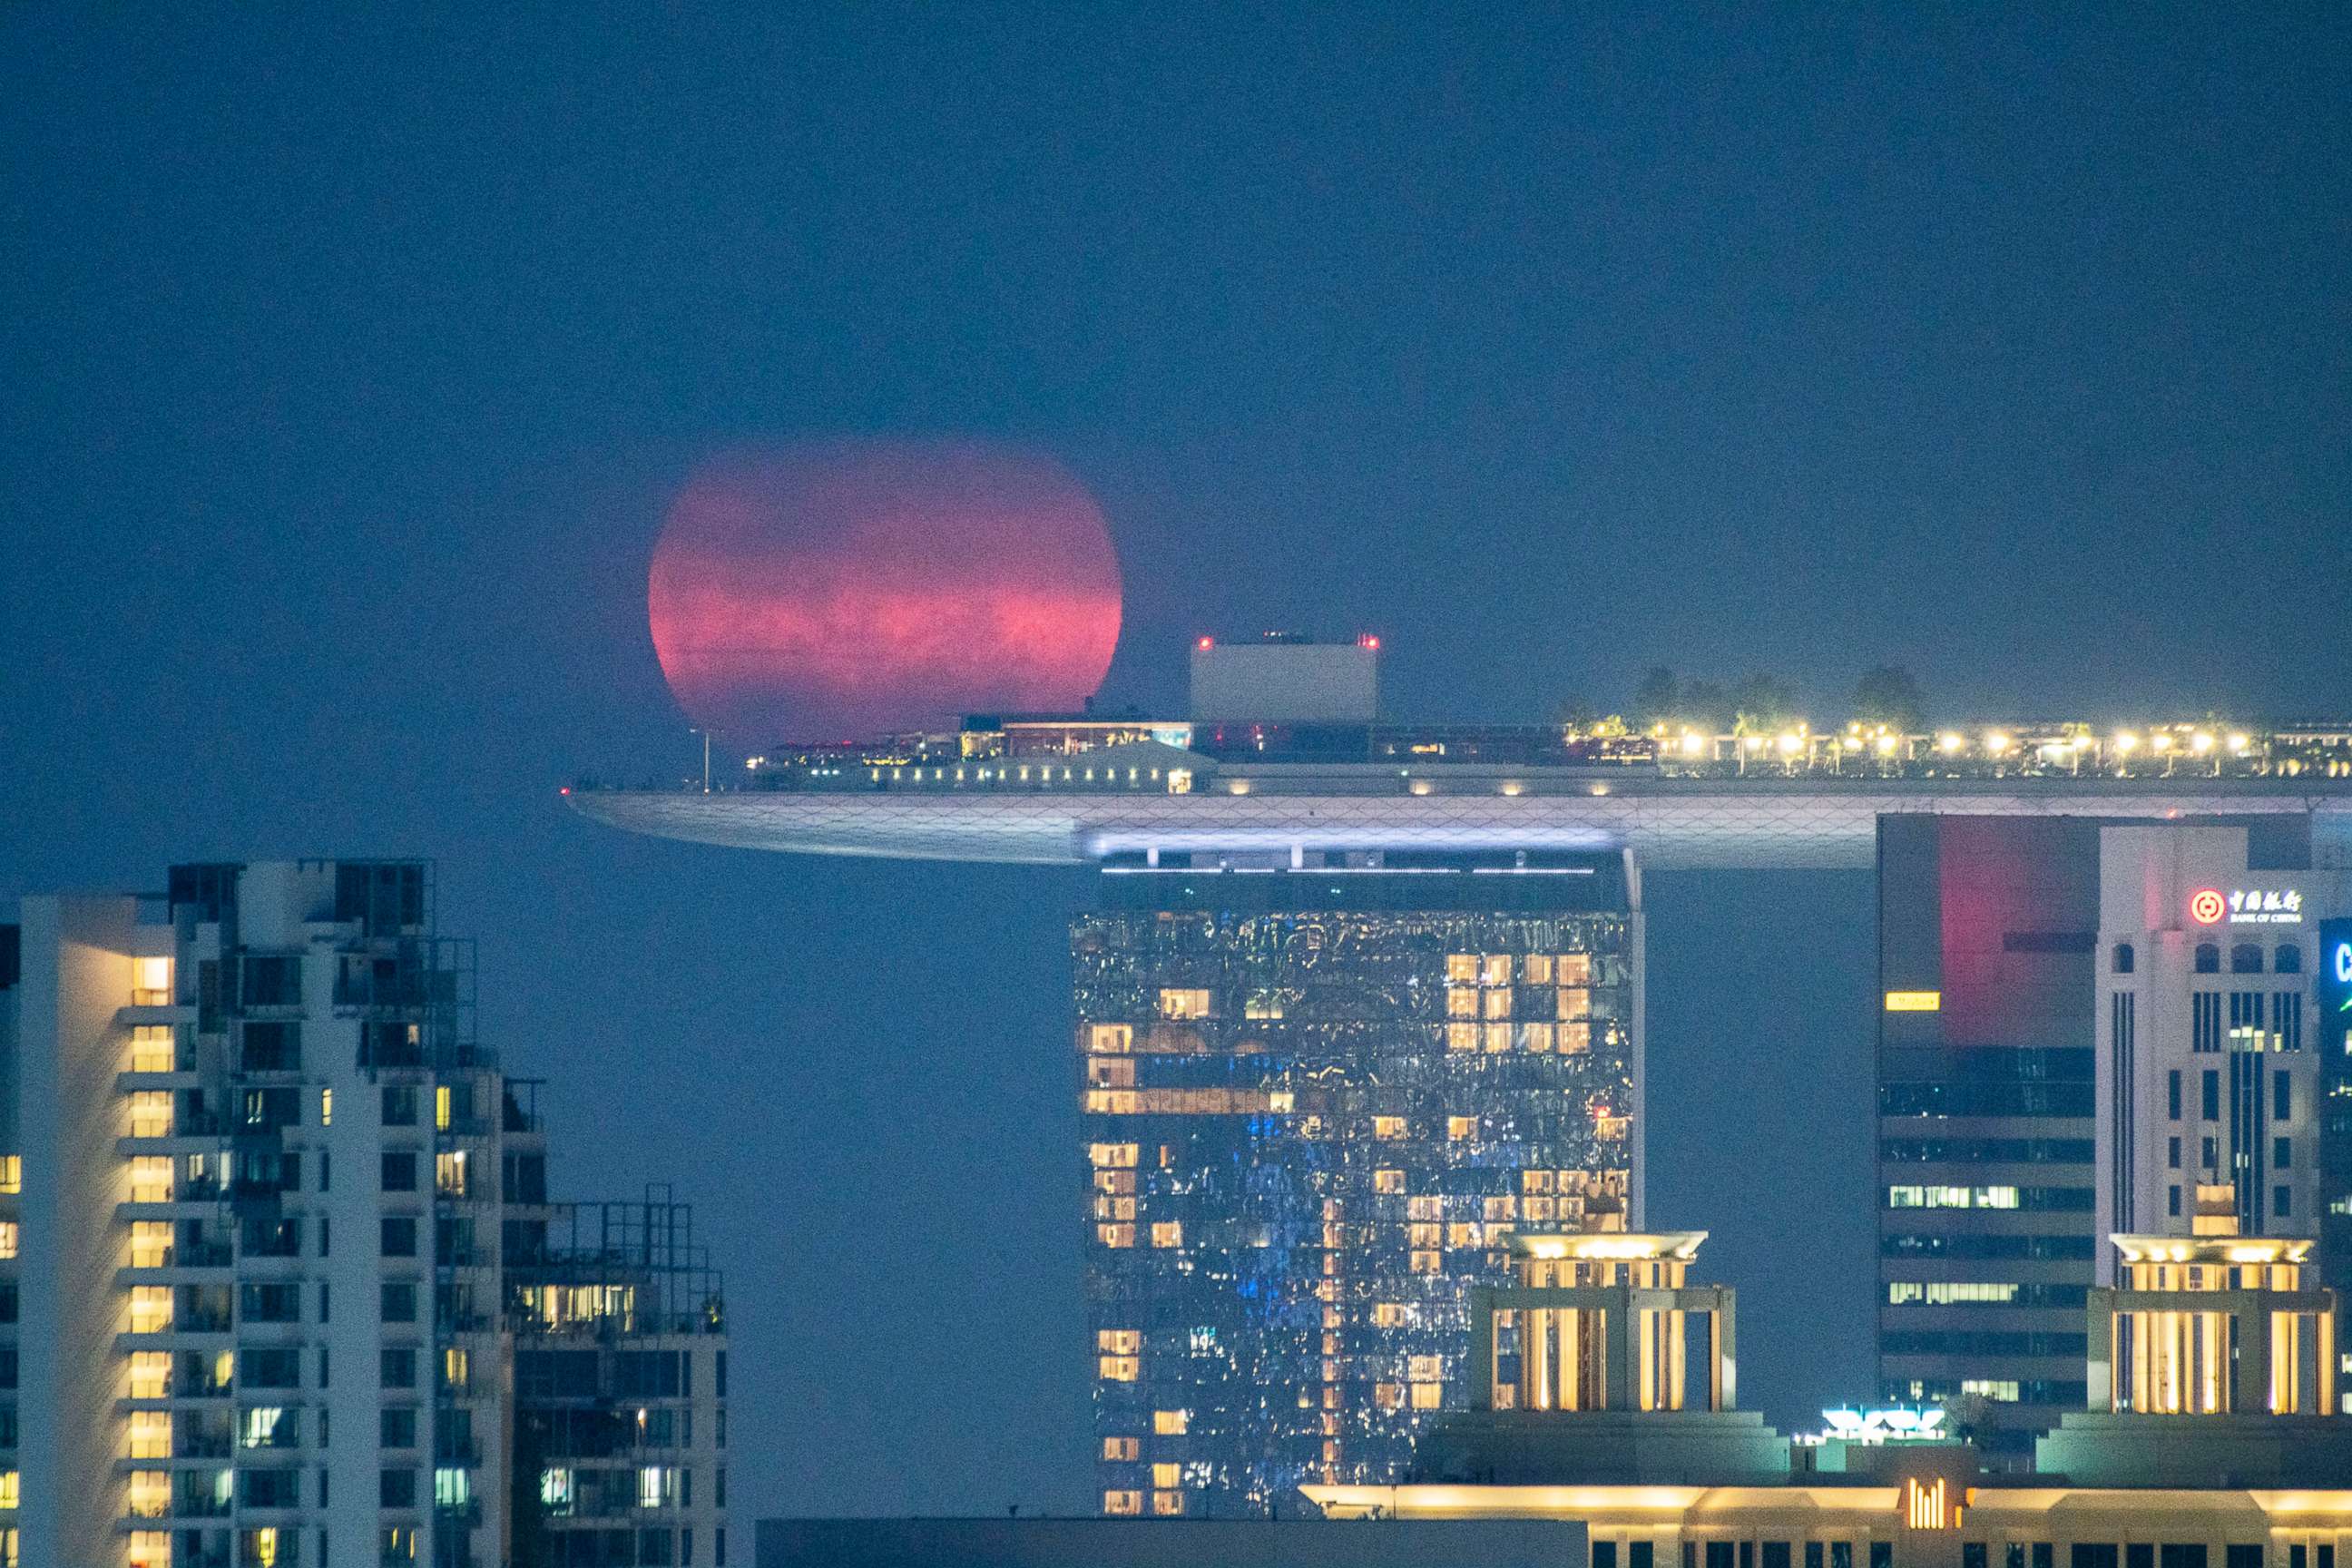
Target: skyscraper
[2211, 1059]
[1987, 1114]
[278, 1229]
[1319, 1094]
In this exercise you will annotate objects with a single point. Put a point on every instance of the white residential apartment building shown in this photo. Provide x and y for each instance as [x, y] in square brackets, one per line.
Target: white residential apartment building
[276, 1237]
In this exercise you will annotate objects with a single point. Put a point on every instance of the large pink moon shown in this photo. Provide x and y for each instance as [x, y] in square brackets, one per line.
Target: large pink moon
[845, 591]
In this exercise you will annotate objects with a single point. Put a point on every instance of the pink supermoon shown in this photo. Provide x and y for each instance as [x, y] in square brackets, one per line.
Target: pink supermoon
[843, 592]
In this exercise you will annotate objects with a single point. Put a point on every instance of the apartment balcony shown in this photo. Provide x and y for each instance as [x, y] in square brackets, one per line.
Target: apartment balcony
[205, 1255]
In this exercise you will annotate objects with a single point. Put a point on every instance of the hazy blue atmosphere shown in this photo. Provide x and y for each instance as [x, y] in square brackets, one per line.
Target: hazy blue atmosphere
[348, 360]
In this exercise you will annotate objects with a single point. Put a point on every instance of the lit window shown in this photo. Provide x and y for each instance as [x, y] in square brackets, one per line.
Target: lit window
[326, 1107]
[1575, 1004]
[1425, 1368]
[1390, 1182]
[1426, 1396]
[1496, 970]
[449, 1173]
[1168, 1233]
[1115, 1234]
[2003, 1390]
[1465, 1232]
[1536, 969]
[150, 1113]
[1122, 1503]
[150, 1434]
[555, 1489]
[1112, 1156]
[149, 1548]
[1171, 1423]
[1118, 1368]
[1183, 1002]
[151, 1179]
[441, 1107]
[1389, 1397]
[1460, 1002]
[657, 1486]
[1165, 1475]
[151, 1309]
[7, 1239]
[1388, 1126]
[1496, 1004]
[1461, 966]
[150, 1498]
[1498, 1038]
[1118, 1342]
[1427, 1262]
[150, 981]
[1426, 1206]
[1459, 1127]
[1122, 1450]
[456, 1368]
[1110, 1039]
[150, 1047]
[150, 1375]
[1281, 1102]
[1390, 1315]
[1461, 1036]
[1574, 969]
[1537, 1209]
[151, 1243]
[1575, 1039]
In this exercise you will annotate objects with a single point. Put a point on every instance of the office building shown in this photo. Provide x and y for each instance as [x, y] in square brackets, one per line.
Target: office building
[280, 1239]
[2209, 1050]
[1988, 1147]
[1319, 1096]
[2331, 1034]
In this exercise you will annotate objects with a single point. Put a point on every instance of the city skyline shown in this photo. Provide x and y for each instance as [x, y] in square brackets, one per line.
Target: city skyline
[358, 362]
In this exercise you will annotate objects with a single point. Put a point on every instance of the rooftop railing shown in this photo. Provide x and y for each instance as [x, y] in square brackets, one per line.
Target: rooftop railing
[1183, 758]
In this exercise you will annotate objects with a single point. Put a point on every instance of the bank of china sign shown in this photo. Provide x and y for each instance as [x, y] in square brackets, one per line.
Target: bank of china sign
[2246, 906]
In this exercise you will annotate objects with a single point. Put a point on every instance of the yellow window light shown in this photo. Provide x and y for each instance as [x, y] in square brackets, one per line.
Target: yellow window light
[1915, 1001]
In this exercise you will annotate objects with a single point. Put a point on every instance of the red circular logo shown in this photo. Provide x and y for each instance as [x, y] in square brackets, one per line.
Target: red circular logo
[2205, 907]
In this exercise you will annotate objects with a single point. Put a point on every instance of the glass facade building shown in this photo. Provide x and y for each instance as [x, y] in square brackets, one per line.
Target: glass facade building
[1318, 1099]
[1987, 1135]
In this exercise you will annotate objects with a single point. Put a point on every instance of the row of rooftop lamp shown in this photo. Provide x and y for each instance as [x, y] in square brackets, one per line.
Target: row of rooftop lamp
[1133, 753]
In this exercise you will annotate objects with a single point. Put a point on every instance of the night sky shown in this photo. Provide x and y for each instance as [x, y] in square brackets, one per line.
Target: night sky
[349, 362]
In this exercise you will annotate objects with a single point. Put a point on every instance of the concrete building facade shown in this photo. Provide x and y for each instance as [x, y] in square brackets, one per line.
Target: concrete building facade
[266, 1190]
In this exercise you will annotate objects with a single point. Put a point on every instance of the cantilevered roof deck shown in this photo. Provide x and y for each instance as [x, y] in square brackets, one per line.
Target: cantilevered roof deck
[1809, 822]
